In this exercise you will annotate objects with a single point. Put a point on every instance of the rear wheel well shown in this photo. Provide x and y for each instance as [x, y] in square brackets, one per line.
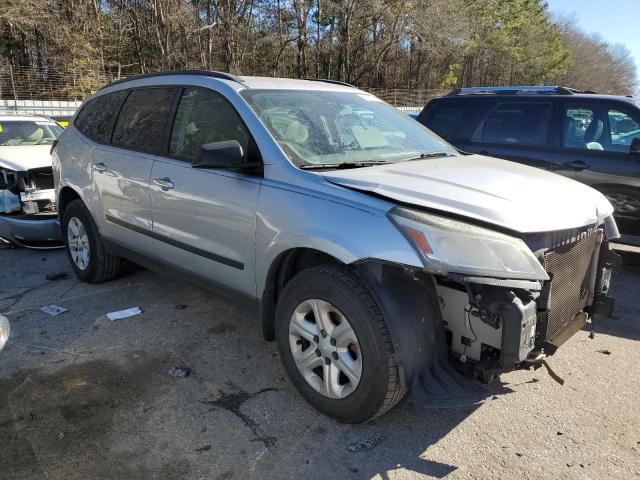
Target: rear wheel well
[283, 269]
[67, 195]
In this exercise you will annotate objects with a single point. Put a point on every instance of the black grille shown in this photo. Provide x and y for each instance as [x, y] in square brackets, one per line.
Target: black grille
[570, 269]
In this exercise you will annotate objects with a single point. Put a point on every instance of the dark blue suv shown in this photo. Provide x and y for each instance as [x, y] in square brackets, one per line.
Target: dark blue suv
[592, 138]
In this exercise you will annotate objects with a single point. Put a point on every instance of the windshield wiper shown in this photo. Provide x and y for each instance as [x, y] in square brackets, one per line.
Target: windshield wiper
[422, 156]
[340, 166]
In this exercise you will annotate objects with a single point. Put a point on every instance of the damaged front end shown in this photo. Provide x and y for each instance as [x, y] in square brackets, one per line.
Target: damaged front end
[28, 214]
[458, 318]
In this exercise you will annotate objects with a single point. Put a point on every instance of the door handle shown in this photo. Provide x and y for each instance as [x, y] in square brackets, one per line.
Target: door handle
[577, 165]
[100, 167]
[165, 183]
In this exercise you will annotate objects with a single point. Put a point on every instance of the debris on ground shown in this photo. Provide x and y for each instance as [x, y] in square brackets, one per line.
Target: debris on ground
[181, 306]
[365, 444]
[180, 372]
[53, 310]
[604, 352]
[60, 435]
[126, 313]
[53, 276]
[206, 448]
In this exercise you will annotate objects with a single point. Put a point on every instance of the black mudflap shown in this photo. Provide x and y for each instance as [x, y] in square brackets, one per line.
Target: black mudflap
[411, 309]
[439, 385]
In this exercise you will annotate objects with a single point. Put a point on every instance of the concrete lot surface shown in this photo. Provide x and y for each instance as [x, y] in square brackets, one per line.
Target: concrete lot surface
[82, 397]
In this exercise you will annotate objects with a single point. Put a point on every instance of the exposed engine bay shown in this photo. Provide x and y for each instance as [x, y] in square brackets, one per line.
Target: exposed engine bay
[28, 210]
[27, 193]
[500, 325]
[482, 326]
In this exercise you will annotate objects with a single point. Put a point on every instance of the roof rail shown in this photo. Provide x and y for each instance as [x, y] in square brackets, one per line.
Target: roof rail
[517, 90]
[207, 73]
[326, 80]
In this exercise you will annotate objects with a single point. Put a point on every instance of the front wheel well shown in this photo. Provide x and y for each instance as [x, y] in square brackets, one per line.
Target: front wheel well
[284, 268]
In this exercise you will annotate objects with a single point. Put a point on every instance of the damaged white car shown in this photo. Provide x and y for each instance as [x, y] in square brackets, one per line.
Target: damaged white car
[28, 215]
[382, 260]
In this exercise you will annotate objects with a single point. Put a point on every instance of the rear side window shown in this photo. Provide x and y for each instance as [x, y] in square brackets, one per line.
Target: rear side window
[142, 118]
[517, 123]
[97, 117]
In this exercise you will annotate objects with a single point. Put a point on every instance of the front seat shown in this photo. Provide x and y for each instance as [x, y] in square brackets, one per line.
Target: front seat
[593, 134]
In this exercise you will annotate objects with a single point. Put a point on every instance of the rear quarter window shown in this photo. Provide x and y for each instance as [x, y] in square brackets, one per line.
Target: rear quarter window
[97, 116]
[451, 120]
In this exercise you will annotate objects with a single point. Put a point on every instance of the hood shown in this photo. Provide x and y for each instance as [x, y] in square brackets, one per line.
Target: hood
[507, 194]
[25, 157]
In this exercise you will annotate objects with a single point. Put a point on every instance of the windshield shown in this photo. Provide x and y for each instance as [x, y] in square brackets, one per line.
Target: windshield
[16, 133]
[336, 128]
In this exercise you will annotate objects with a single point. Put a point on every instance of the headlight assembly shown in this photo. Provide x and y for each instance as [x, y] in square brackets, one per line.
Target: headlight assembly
[447, 245]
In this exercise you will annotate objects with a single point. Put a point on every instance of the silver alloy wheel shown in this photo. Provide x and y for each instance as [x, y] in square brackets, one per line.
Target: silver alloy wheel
[325, 348]
[624, 204]
[78, 243]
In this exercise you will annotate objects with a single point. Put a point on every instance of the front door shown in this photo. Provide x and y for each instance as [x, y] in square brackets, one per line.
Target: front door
[204, 219]
[596, 142]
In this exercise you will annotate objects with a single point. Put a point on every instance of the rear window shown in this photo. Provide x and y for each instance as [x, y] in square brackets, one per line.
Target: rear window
[518, 123]
[142, 119]
[97, 117]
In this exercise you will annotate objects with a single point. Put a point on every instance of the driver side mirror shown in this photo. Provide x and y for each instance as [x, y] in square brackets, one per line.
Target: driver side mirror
[634, 149]
[225, 154]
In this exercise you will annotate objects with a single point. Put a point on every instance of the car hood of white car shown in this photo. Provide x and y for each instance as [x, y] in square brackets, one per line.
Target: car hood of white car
[25, 157]
[506, 194]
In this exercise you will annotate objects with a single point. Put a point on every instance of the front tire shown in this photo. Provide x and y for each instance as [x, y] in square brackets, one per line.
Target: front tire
[335, 344]
[86, 252]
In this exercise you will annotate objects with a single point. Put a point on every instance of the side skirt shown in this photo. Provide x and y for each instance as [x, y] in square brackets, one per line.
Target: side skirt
[157, 266]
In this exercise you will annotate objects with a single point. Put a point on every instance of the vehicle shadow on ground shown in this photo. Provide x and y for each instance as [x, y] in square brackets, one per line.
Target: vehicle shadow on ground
[111, 411]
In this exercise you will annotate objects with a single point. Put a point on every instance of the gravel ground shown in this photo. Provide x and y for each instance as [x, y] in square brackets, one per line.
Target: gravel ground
[82, 397]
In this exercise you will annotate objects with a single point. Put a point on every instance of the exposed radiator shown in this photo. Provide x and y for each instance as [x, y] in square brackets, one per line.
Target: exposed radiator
[571, 270]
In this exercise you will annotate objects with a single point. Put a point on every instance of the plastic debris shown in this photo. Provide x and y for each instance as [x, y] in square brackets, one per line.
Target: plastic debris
[206, 448]
[605, 352]
[53, 276]
[365, 444]
[53, 310]
[180, 372]
[126, 313]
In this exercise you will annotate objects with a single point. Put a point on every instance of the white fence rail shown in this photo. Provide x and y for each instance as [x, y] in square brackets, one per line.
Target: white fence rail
[50, 108]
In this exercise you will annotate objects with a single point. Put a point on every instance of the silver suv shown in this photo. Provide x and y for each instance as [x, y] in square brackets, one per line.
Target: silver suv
[380, 259]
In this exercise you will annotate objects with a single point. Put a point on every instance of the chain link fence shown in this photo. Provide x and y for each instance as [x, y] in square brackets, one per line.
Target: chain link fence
[19, 84]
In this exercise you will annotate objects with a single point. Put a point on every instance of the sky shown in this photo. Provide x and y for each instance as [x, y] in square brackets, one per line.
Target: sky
[616, 20]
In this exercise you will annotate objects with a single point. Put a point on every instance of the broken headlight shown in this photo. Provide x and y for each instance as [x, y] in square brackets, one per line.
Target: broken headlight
[447, 245]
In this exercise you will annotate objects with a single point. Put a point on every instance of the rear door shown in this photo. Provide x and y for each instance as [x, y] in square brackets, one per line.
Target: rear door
[519, 130]
[204, 219]
[121, 170]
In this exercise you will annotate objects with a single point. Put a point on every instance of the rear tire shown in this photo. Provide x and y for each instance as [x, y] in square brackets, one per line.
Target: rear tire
[339, 296]
[86, 252]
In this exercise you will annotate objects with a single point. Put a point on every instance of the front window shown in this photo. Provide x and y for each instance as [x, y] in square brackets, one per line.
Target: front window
[19, 133]
[331, 129]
